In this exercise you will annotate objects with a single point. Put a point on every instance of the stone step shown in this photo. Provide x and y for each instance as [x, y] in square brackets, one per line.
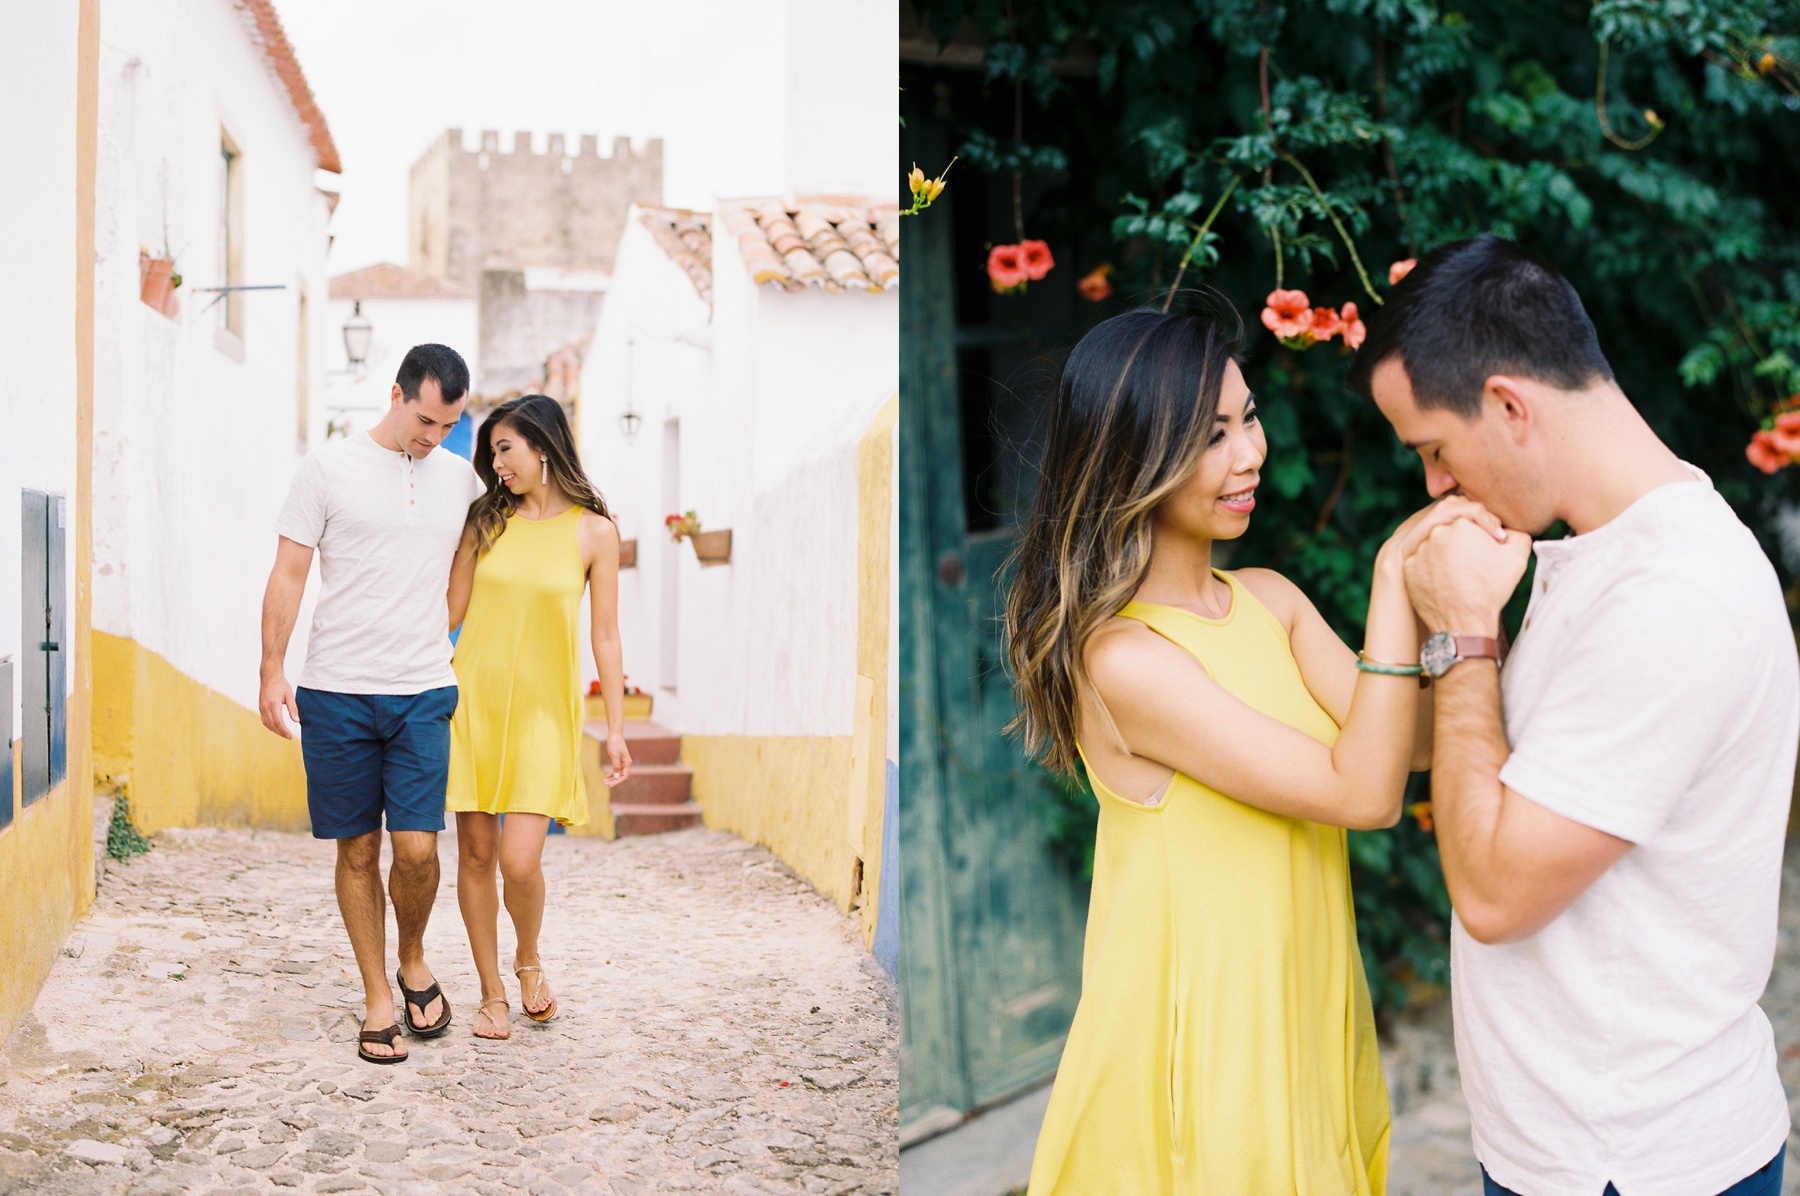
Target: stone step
[655, 785]
[630, 818]
[650, 743]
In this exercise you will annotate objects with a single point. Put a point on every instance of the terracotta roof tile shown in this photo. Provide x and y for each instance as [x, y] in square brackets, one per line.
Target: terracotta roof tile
[835, 243]
[388, 281]
[687, 238]
[266, 31]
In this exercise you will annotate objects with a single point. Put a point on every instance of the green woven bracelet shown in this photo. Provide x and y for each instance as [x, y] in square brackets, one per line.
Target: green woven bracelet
[1389, 670]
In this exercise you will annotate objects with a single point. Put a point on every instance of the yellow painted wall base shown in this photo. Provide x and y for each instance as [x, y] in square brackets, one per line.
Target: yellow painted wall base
[46, 886]
[785, 792]
[187, 755]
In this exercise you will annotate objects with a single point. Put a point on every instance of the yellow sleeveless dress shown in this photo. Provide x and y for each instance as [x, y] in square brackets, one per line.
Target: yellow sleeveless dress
[1224, 1044]
[515, 740]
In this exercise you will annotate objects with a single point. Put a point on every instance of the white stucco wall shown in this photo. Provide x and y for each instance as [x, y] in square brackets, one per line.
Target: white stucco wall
[194, 447]
[770, 416]
[395, 325]
[798, 377]
[38, 59]
[649, 349]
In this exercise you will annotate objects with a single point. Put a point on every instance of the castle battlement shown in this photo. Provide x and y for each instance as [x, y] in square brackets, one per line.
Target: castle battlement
[495, 208]
[556, 147]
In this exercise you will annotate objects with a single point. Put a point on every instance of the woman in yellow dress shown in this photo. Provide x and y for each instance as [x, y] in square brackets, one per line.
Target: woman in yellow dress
[1224, 1044]
[535, 541]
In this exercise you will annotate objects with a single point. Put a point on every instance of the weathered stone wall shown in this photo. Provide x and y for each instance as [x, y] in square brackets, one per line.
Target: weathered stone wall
[494, 209]
[520, 327]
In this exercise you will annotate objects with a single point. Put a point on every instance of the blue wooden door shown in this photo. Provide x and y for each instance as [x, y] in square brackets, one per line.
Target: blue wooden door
[991, 951]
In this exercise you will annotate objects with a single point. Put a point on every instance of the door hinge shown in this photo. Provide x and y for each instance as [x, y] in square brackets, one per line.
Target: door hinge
[49, 646]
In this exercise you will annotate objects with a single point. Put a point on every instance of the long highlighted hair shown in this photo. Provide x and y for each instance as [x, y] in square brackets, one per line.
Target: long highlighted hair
[540, 420]
[1133, 415]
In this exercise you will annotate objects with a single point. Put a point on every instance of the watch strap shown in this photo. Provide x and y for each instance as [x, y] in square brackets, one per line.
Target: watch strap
[1476, 647]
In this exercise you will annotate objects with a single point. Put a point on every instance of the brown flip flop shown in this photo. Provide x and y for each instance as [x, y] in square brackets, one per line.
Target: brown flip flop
[422, 997]
[386, 1038]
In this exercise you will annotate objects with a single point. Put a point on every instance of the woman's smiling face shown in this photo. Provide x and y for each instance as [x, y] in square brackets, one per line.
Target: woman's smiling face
[516, 463]
[1216, 501]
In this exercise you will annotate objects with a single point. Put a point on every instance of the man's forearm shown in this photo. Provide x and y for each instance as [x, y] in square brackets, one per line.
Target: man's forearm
[1469, 748]
[281, 607]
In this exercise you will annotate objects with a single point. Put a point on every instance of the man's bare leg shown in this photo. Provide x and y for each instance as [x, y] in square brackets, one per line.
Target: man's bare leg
[364, 909]
[413, 884]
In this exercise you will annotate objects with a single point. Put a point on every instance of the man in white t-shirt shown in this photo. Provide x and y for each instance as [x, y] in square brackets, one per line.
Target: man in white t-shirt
[1610, 806]
[385, 514]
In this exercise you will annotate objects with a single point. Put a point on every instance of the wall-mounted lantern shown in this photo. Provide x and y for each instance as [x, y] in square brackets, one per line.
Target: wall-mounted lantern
[356, 337]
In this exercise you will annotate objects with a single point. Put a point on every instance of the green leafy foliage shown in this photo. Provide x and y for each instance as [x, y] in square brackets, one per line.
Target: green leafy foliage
[1360, 132]
[123, 839]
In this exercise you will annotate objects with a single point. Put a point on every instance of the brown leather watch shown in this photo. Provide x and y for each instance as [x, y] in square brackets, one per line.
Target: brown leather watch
[1444, 651]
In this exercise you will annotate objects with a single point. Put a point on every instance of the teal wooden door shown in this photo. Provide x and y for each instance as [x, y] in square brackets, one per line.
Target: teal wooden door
[992, 920]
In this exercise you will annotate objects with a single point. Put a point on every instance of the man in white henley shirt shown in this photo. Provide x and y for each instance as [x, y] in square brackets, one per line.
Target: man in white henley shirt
[1610, 806]
[384, 513]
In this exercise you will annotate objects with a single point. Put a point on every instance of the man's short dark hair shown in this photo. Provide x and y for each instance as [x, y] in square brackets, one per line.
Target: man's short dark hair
[442, 364]
[1472, 309]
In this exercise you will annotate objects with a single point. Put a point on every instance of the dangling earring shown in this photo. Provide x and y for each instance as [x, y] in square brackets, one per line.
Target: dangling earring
[544, 479]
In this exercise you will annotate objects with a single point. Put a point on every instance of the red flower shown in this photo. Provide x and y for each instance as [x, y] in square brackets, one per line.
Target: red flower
[1400, 270]
[1006, 268]
[1421, 812]
[1094, 286]
[1765, 453]
[1288, 314]
[1325, 323]
[1354, 329]
[1037, 259]
[593, 689]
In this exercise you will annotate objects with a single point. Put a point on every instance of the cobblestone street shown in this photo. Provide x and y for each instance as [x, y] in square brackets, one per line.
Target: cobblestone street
[1431, 1155]
[720, 1029]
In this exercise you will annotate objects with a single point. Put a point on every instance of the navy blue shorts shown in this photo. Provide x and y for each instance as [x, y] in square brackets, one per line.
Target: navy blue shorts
[1765, 1182]
[367, 754]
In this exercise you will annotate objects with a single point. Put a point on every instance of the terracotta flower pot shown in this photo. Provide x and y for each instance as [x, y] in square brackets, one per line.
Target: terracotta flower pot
[712, 548]
[627, 554]
[156, 272]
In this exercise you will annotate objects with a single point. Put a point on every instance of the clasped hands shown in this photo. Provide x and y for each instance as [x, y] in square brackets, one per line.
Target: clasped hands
[1458, 563]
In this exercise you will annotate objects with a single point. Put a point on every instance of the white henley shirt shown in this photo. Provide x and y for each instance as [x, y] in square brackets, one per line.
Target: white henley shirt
[386, 529]
[1653, 694]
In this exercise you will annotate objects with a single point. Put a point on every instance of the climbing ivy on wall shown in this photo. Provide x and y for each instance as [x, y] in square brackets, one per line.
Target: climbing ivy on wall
[1651, 150]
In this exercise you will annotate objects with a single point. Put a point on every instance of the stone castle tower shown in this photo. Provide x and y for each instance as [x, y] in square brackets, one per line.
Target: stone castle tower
[490, 209]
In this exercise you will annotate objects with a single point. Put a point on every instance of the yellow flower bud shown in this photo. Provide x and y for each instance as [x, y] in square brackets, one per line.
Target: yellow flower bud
[917, 181]
[1765, 64]
[1653, 120]
[933, 189]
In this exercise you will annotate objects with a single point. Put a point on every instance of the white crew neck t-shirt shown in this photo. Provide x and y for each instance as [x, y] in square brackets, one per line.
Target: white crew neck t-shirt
[1653, 694]
[386, 529]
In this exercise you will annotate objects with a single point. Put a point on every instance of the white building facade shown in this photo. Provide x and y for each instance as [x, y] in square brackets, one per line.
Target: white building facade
[209, 155]
[402, 307]
[47, 57]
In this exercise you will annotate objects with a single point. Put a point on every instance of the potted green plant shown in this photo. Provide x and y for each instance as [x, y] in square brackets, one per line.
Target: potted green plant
[156, 279]
[710, 548]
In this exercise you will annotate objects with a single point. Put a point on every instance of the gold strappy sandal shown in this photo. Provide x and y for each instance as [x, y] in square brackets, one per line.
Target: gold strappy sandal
[549, 1011]
[500, 1001]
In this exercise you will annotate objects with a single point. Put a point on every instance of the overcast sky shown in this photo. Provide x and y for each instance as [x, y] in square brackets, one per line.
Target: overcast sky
[390, 75]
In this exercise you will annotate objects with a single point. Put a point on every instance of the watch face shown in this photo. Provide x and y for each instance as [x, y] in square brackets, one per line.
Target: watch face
[1438, 654]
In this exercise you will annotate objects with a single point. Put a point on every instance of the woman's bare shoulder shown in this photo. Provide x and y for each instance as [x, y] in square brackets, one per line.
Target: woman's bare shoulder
[1122, 652]
[1284, 599]
[598, 527]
